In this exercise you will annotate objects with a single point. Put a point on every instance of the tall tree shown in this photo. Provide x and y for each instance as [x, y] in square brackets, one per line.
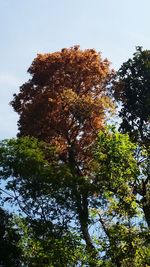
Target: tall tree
[64, 104]
[132, 88]
[75, 180]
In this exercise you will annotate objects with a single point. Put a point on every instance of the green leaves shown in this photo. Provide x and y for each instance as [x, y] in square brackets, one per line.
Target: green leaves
[45, 188]
[114, 155]
[10, 252]
[132, 87]
[22, 156]
[116, 170]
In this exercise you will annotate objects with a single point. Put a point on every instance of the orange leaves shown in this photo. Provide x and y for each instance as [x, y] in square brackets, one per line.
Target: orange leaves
[65, 100]
[72, 68]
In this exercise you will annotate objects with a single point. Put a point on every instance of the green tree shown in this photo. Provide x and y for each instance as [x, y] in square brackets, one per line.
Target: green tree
[10, 252]
[116, 208]
[44, 190]
[43, 246]
[132, 88]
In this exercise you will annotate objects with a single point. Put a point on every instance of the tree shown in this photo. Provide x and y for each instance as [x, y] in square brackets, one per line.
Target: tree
[132, 88]
[64, 104]
[74, 179]
[10, 252]
[116, 172]
[44, 190]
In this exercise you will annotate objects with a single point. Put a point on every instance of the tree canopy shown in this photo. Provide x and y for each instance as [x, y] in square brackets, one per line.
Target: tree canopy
[81, 187]
[10, 251]
[66, 100]
[133, 89]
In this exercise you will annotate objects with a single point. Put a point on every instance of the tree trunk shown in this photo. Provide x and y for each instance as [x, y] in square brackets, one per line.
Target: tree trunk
[81, 196]
[82, 209]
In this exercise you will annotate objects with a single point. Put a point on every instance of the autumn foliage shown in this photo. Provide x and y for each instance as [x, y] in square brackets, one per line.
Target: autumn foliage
[82, 189]
[66, 99]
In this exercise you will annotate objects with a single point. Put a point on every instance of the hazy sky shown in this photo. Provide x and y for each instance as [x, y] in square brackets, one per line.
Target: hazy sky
[28, 27]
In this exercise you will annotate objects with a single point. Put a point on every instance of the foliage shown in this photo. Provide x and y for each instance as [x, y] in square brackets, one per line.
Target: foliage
[38, 180]
[10, 253]
[52, 206]
[65, 100]
[132, 88]
[81, 188]
[127, 246]
[41, 247]
[64, 104]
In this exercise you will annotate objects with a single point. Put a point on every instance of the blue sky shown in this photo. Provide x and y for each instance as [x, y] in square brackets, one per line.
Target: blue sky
[28, 27]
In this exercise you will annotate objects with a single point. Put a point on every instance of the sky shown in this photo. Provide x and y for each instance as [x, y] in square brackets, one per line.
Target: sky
[28, 27]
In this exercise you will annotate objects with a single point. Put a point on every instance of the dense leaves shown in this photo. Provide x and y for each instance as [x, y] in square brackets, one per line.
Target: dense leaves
[10, 252]
[133, 89]
[65, 101]
[49, 194]
[81, 188]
